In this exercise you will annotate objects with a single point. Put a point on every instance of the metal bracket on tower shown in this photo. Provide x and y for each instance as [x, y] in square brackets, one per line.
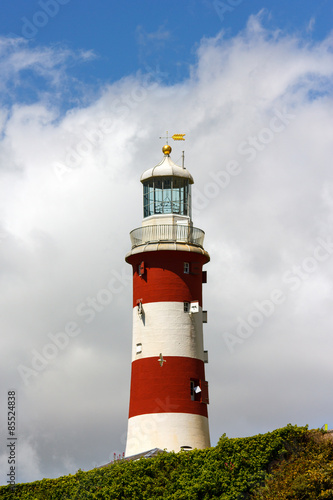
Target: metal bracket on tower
[140, 308]
[194, 307]
[161, 360]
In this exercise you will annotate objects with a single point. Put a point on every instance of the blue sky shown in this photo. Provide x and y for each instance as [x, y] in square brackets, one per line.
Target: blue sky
[85, 92]
[148, 36]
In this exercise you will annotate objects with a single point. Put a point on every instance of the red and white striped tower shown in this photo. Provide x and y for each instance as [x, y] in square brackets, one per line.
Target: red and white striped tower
[169, 394]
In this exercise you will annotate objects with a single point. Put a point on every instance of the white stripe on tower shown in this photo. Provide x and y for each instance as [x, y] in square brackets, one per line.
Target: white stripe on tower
[166, 430]
[177, 332]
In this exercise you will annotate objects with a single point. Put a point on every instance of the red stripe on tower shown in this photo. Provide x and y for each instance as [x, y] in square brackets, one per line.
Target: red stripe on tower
[169, 393]
[172, 383]
[164, 279]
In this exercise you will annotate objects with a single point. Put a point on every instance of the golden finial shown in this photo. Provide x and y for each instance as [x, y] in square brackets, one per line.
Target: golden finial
[166, 149]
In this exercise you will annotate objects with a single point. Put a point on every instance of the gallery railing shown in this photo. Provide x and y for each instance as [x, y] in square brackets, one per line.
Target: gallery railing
[166, 233]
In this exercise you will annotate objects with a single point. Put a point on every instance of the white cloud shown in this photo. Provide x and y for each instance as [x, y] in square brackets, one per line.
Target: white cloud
[70, 194]
[151, 42]
[21, 64]
[159, 35]
[311, 25]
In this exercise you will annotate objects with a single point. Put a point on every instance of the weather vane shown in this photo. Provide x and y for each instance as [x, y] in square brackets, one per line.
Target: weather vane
[175, 137]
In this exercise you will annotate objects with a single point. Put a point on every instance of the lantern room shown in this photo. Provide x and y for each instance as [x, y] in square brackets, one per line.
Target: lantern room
[166, 192]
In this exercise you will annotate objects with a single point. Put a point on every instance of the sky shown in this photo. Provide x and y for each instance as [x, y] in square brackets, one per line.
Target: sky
[86, 90]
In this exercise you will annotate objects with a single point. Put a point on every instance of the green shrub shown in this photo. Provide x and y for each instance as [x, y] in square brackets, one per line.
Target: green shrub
[255, 468]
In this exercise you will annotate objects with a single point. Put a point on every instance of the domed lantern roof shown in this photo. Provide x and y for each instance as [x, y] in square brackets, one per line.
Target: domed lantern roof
[167, 168]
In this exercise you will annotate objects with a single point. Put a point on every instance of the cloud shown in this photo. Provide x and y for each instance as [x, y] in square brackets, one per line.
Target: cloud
[145, 38]
[256, 113]
[311, 25]
[150, 43]
[22, 66]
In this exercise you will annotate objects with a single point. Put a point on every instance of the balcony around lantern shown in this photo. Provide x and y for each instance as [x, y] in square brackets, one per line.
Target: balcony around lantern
[175, 233]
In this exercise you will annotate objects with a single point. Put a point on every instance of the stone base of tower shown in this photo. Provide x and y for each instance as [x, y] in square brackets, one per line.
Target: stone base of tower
[168, 431]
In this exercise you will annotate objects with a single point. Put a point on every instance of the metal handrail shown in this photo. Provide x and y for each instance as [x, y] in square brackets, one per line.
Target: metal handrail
[166, 233]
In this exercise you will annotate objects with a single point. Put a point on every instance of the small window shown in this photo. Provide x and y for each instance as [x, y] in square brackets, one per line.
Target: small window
[141, 269]
[192, 391]
[138, 348]
[195, 390]
[186, 268]
[186, 307]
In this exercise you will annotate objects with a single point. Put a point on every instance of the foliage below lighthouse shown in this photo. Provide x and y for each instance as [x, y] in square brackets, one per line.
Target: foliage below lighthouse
[289, 463]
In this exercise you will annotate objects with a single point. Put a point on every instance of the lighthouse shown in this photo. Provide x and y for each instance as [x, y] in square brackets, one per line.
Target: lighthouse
[169, 391]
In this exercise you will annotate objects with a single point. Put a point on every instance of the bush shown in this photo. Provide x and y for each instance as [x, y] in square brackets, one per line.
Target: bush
[290, 461]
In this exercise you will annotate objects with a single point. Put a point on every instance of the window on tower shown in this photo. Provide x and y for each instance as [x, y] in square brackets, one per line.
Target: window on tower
[158, 192]
[186, 268]
[192, 390]
[148, 198]
[141, 268]
[195, 390]
[177, 196]
[167, 198]
[166, 195]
